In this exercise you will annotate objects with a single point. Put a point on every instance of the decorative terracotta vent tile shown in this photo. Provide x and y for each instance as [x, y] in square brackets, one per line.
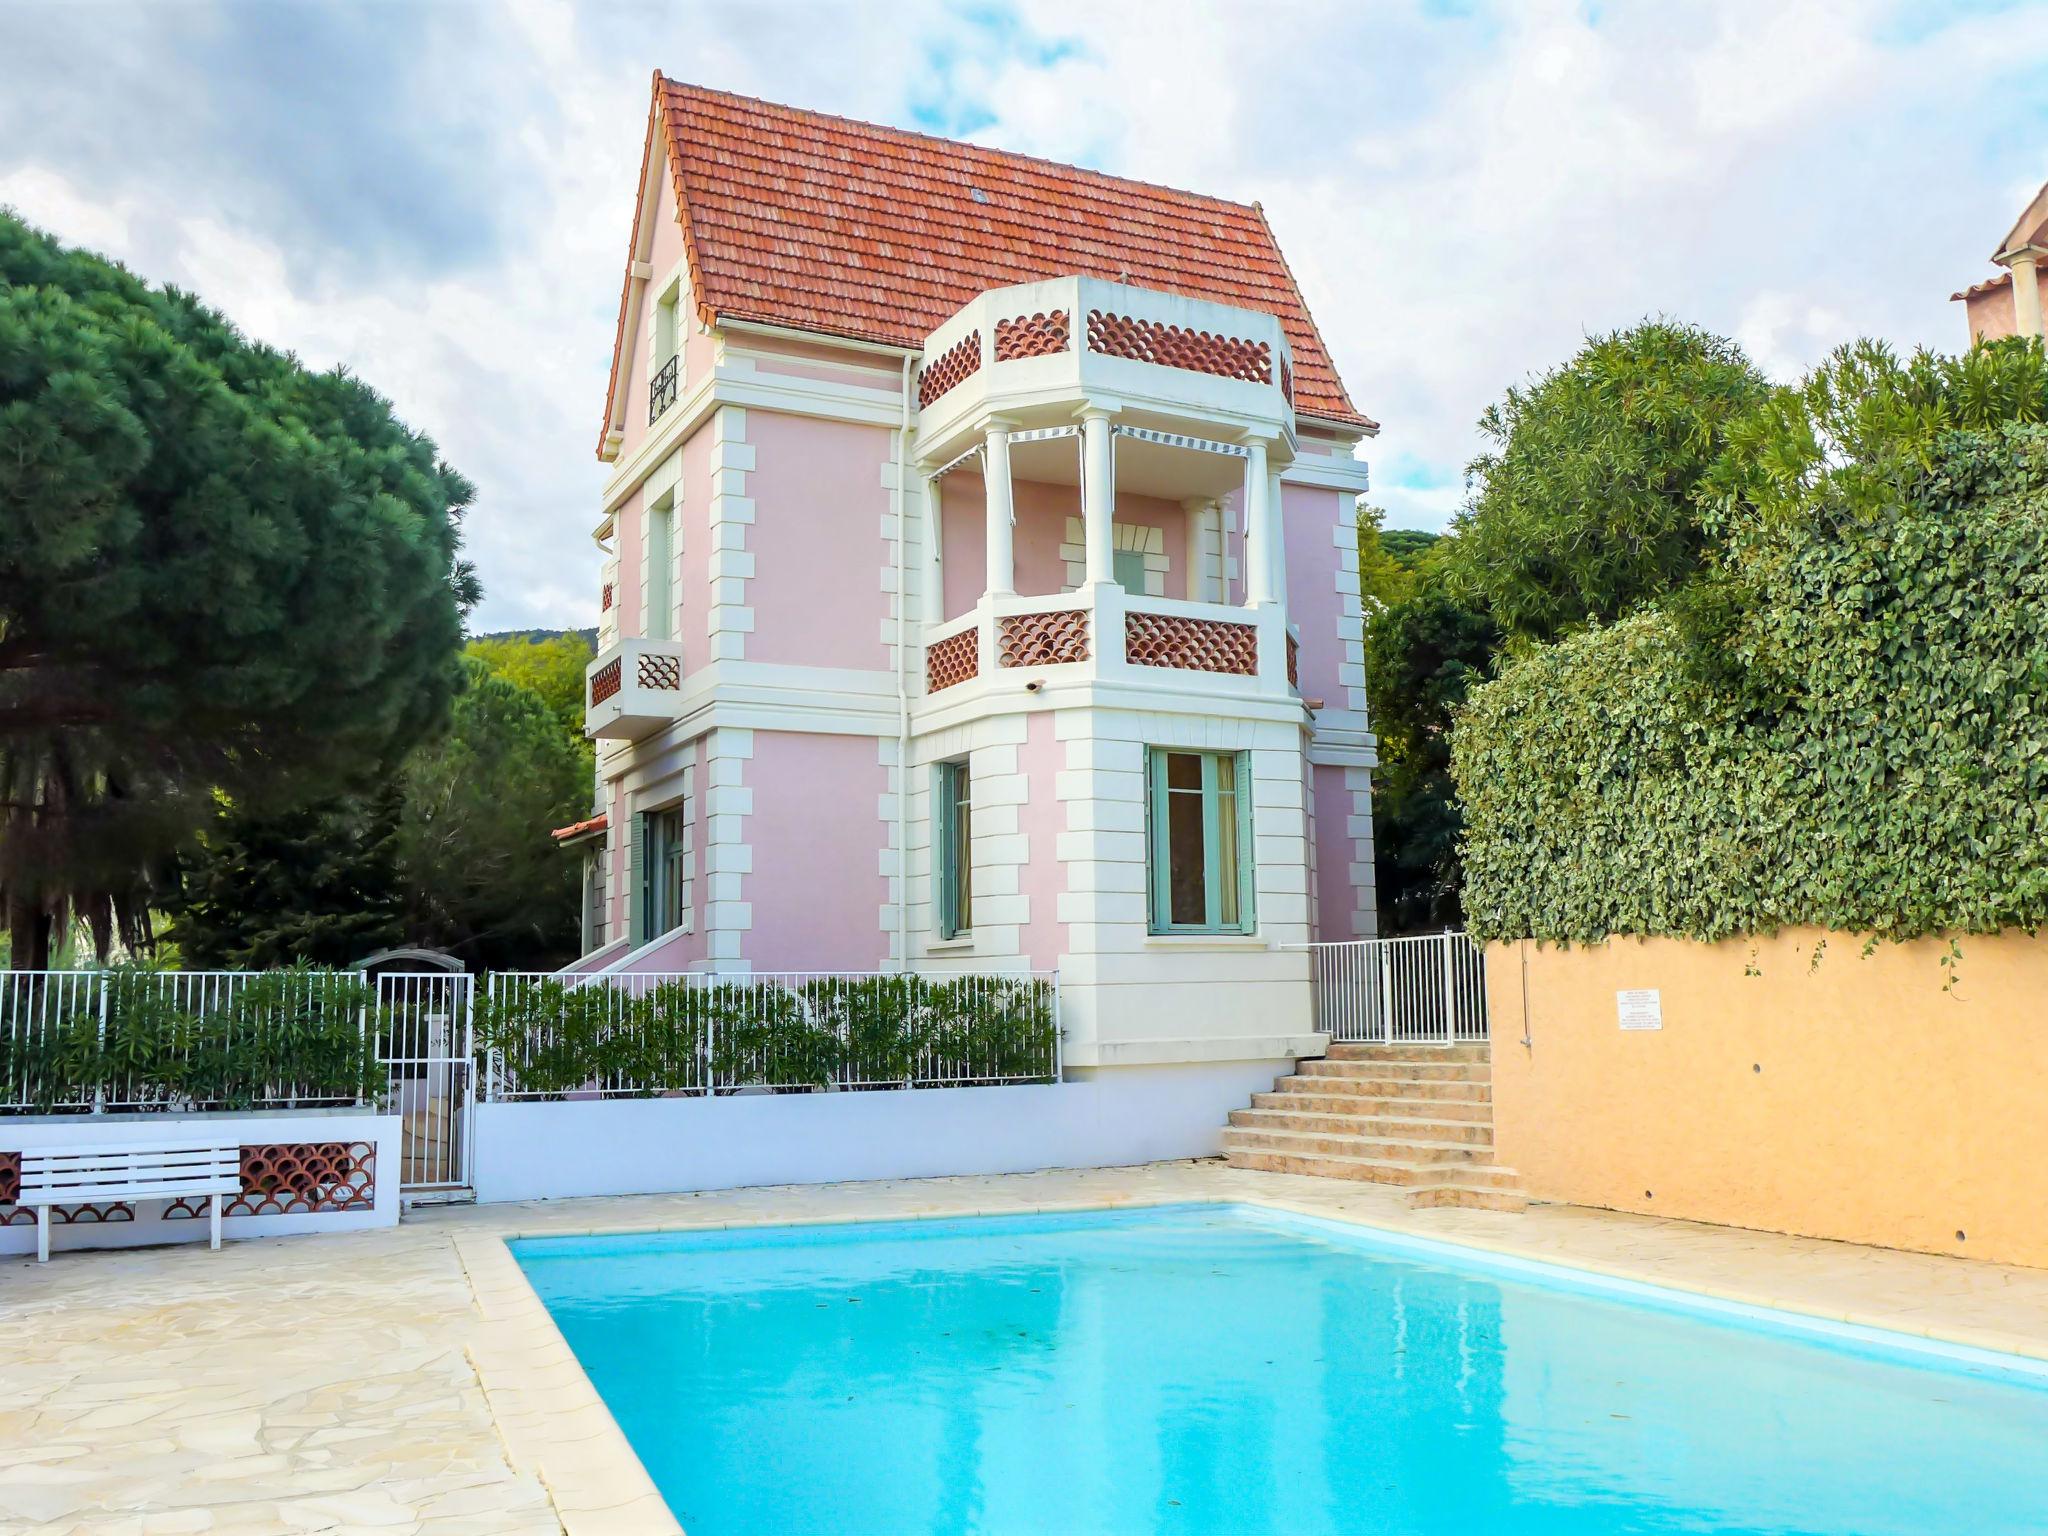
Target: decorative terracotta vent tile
[1042, 639]
[296, 1179]
[1293, 662]
[605, 681]
[1147, 341]
[658, 671]
[1040, 335]
[1192, 645]
[605, 606]
[952, 660]
[1286, 381]
[955, 366]
[15, 1215]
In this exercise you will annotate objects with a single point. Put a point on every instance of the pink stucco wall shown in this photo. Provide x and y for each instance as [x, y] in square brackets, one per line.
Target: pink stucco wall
[817, 541]
[696, 348]
[817, 835]
[1313, 604]
[1042, 819]
[1336, 902]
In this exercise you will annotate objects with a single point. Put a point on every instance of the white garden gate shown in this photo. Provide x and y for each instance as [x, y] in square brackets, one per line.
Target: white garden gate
[427, 1042]
[1425, 990]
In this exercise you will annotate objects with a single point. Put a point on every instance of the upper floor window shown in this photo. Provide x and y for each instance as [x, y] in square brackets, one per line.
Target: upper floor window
[952, 840]
[1199, 854]
[1128, 566]
[665, 354]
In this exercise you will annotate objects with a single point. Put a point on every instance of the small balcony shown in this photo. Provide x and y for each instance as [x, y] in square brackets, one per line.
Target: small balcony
[633, 689]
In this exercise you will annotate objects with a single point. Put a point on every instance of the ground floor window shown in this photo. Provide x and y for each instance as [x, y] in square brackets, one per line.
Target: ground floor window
[952, 861]
[664, 883]
[1199, 863]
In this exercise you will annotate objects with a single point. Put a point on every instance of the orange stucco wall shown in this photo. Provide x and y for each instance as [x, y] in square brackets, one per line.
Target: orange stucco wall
[1852, 1099]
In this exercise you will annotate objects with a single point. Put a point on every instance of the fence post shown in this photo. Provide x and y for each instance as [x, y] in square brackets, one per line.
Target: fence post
[1386, 950]
[1450, 993]
[1059, 1034]
[99, 1090]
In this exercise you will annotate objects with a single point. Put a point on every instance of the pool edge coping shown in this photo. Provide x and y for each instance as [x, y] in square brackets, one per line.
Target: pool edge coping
[600, 1487]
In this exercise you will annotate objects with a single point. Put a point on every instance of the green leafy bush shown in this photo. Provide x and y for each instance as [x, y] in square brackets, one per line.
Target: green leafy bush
[139, 1039]
[551, 1038]
[1865, 750]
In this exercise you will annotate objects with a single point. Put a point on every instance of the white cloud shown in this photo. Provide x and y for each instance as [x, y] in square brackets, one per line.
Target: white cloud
[1463, 197]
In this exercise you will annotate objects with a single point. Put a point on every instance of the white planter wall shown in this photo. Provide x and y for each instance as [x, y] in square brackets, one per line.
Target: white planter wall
[251, 1128]
[1115, 1117]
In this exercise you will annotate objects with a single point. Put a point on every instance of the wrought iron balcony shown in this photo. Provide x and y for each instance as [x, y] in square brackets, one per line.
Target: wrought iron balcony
[661, 394]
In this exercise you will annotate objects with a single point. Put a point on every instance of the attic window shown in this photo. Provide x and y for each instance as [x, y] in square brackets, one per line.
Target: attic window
[977, 194]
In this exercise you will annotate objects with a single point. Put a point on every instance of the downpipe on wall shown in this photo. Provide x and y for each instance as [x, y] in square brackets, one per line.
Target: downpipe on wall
[902, 684]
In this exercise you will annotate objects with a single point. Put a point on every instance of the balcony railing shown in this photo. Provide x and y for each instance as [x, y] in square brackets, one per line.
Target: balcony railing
[633, 688]
[1113, 634]
[662, 393]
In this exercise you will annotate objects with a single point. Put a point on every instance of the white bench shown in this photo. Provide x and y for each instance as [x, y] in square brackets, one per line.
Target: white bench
[149, 1170]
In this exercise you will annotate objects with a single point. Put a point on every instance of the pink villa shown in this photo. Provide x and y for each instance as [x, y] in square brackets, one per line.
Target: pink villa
[980, 591]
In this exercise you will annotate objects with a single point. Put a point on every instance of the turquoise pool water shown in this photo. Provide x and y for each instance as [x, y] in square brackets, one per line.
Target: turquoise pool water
[1210, 1369]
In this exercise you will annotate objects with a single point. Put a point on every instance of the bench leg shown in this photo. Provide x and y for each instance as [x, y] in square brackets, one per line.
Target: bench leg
[215, 1214]
[42, 1234]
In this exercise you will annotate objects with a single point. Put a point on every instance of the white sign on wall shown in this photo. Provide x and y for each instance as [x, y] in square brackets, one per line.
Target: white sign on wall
[1640, 1008]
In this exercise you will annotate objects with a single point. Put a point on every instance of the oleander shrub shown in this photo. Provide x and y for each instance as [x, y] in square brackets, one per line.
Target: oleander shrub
[138, 1039]
[551, 1038]
[1847, 728]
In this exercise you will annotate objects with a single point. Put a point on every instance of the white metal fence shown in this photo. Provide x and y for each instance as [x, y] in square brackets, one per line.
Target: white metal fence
[544, 1035]
[427, 1044]
[1428, 990]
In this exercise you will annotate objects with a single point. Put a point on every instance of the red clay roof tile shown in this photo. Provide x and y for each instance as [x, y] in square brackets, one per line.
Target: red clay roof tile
[824, 224]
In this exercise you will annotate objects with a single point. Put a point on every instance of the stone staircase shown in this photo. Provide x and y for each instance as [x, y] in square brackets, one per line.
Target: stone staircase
[1417, 1116]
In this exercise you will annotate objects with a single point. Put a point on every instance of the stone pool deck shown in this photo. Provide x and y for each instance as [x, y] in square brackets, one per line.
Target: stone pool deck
[332, 1384]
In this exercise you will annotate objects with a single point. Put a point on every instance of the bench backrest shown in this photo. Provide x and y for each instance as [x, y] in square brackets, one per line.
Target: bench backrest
[124, 1171]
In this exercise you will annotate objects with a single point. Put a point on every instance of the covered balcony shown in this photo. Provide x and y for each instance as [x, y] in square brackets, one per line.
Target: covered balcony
[1104, 469]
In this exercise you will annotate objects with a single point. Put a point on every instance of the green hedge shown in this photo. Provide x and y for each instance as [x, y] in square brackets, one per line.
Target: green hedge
[302, 1035]
[1871, 754]
[551, 1037]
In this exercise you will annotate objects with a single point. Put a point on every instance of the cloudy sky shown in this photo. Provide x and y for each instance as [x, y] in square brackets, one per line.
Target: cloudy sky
[436, 193]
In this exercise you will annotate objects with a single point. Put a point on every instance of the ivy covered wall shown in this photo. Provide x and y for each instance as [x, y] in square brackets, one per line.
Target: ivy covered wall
[1849, 729]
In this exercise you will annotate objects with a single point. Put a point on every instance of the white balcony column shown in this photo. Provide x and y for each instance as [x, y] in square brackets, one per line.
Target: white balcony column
[1002, 516]
[1261, 531]
[1098, 497]
[2026, 294]
[1197, 510]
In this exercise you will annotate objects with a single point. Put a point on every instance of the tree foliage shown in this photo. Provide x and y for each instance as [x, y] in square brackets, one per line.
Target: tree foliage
[219, 571]
[1423, 653]
[1586, 502]
[1882, 766]
[481, 877]
[550, 666]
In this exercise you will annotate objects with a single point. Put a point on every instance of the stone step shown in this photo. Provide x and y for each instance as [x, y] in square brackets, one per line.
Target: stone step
[1306, 1100]
[1384, 1087]
[1379, 1148]
[1344, 1123]
[1326, 1165]
[1469, 1197]
[1359, 1050]
[1401, 1071]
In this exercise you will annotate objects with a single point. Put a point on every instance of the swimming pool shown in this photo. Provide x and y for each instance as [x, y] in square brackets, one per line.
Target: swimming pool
[1228, 1368]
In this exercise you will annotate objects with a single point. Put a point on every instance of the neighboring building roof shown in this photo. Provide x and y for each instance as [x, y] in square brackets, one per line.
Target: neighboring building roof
[590, 828]
[824, 224]
[2031, 228]
[2003, 280]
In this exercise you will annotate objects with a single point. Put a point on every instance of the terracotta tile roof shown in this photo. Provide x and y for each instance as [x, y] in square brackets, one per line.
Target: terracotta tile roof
[2004, 279]
[825, 224]
[581, 829]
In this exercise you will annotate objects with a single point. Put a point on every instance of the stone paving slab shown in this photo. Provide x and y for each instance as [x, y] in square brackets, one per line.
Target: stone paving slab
[398, 1381]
